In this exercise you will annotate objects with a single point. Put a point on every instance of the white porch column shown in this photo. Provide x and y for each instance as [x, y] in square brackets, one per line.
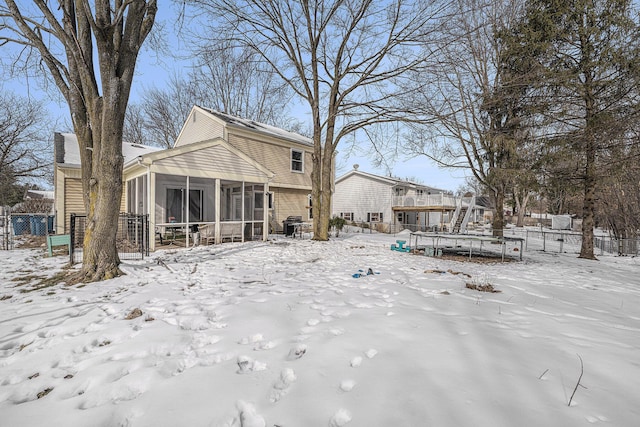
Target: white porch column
[242, 215]
[217, 215]
[186, 228]
[265, 213]
[151, 208]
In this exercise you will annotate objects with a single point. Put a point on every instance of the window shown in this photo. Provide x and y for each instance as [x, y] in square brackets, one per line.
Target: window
[297, 161]
[374, 217]
[420, 193]
[347, 216]
[310, 201]
[399, 191]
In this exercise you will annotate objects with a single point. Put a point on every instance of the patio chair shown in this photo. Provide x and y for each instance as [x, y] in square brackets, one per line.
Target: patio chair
[231, 232]
[207, 234]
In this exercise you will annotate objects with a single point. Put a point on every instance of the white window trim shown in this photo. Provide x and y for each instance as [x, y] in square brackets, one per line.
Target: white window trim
[291, 160]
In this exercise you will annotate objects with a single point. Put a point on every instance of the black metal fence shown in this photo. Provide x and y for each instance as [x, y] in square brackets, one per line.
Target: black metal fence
[132, 239]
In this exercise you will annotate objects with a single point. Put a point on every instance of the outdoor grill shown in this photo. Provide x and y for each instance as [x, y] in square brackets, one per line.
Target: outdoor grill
[288, 225]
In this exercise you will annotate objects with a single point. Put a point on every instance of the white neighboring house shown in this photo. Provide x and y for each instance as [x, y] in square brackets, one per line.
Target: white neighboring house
[390, 204]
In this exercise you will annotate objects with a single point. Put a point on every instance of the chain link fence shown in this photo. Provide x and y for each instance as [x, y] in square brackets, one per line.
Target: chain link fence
[24, 229]
[542, 239]
[570, 242]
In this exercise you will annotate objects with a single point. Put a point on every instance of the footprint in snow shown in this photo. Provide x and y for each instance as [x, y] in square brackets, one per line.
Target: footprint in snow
[356, 361]
[340, 418]
[247, 364]
[347, 385]
[297, 352]
[251, 339]
[313, 322]
[264, 345]
[247, 416]
[283, 385]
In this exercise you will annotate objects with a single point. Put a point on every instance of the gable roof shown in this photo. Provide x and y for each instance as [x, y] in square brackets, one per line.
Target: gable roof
[258, 127]
[67, 151]
[392, 181]
[207, 152]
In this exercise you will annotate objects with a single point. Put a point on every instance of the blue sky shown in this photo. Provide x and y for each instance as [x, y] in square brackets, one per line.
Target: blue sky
[152, 70]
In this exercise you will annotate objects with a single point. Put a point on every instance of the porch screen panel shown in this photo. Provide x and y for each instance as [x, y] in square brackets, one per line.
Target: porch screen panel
[174, 205]
[258, 204]
[131, 197]
[248, 205]
[195, 205]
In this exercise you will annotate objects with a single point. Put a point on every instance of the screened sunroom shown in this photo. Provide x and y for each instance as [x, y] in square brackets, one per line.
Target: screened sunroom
[202, 193]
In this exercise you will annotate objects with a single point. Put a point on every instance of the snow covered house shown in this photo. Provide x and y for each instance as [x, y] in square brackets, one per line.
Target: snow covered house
[67, 184]
[226, 177]
[389, 204]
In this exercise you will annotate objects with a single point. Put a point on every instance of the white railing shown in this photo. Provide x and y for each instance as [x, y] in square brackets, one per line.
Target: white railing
[444, 200]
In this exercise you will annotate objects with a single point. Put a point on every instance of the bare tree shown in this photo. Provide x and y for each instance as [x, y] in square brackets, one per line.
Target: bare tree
[24, 152]
[159, 117]
[223, 78]
[342, 58]
[236, 81]
[475, 104]
[135, 130]
[90, 52]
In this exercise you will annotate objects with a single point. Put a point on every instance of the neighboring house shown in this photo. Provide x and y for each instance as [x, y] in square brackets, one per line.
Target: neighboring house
[225, 176]
[389, 203]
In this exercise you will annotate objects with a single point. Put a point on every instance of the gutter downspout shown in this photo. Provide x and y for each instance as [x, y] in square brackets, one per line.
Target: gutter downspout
[152, 219]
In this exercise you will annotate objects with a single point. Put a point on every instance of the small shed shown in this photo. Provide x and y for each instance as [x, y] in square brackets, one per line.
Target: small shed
[561, 222]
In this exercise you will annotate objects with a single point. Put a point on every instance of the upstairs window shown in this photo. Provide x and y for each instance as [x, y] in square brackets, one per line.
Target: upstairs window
[297, 161]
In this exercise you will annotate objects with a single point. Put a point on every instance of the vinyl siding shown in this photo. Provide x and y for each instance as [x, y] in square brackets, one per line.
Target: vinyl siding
[199, 128]
[73, 200]
[276, 158]
[361, 195]
[288, 202]
[215, 160]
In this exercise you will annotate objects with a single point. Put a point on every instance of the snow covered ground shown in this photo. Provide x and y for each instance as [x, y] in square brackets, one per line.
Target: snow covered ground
[281, 334]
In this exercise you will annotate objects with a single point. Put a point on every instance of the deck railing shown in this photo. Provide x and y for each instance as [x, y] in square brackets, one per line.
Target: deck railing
[444, 200]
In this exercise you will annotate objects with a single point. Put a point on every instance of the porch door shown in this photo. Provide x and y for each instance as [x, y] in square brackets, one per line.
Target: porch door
[177, 205]
[236, 207]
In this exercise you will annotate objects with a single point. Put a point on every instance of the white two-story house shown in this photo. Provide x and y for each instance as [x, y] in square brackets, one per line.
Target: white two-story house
[389, 204]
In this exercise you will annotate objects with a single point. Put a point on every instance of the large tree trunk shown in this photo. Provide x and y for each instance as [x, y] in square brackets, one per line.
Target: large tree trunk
[325, 208]
[498, 217]
[521, 204]
[588, 207]
[100, 257]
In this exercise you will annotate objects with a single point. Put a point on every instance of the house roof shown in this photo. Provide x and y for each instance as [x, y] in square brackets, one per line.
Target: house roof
[263, 128]
[67, 151]
[156, 156]
[389, 180]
